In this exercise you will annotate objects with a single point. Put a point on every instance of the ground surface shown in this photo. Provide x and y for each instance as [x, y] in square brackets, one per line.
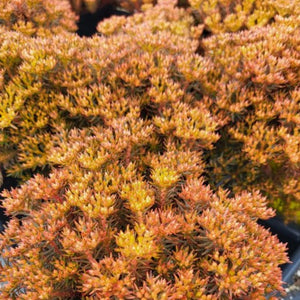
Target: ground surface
[293, 290]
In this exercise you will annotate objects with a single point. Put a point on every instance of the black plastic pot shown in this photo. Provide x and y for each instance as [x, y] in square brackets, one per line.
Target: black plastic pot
[291, 269]
[287, 233]
[290, 234]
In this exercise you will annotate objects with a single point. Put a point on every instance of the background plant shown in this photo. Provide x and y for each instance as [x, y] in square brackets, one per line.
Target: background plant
[252, 85]
[231, 16]
[249, 82]
[37, 17]
[48, 84]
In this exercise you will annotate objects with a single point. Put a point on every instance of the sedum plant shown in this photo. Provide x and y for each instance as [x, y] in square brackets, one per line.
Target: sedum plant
[250, 81]
[37, 17]
[231, 16]
[122, 218]
[128, 127]
[48, 84]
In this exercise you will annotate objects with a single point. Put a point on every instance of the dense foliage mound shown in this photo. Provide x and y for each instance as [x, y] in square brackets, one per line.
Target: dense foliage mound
[249, 82]
[109, 228]
[48, 84]
[234, 15]
[153, 143]
[255, 91]
[37, 17]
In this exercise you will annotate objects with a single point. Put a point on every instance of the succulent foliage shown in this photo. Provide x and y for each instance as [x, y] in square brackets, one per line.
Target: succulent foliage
[158, 159]
[37, 17]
